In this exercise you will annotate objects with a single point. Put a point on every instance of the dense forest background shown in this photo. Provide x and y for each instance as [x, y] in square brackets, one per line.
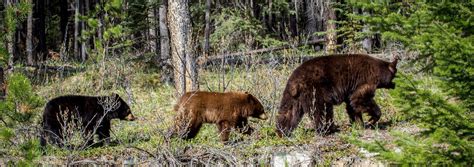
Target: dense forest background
[55, 47]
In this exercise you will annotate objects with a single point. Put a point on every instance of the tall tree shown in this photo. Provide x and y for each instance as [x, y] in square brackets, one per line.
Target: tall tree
[165, 58]
[367, 42]
[153, 30]
[64, 19]
[207, 28]
[11, 26]
[331, 34]
[29, 36]
[184, 64]
[84, 7]
[40, 28]
[77, 50]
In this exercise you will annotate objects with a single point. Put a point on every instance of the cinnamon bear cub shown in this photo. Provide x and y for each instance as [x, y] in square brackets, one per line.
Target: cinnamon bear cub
[227, 110]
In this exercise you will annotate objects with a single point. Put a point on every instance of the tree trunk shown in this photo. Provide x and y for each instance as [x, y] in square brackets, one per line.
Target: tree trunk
[311, 21]
[84, 8]
[165, 58]
[29, 36]
[152, 27]
[207, 28]
[331, 35]
[41, 28]
[367, 43]
[77, 51]
[294, 19]
[10, 41]
[3, 86]
[184, 63]
[64, 19]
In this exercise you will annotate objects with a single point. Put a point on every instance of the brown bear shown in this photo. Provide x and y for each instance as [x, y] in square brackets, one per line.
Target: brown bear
[90, 114]
[318, 84]
[227, 110]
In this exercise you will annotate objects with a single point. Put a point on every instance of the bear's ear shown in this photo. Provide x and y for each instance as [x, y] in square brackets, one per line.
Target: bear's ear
[250, 98]
[393, 65]
[294, 90]
[246, 92]
[115, 95]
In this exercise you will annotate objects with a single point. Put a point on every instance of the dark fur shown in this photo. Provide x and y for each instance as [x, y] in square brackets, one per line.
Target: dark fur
[85, 108]
[226, 110]
[318, 84]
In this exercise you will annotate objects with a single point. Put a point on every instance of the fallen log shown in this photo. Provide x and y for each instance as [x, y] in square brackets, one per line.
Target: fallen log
[204, 60]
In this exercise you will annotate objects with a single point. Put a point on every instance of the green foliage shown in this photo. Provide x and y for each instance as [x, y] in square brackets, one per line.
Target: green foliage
[17, 111]
[447, 127]
[233, 26]
[350, 27]
[114, 26]
[20, 102]
[440, 32]
[432, 110]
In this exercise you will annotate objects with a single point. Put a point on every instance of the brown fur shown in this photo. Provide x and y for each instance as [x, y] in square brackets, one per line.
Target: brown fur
[227, 110]
[318, 84]
[53, 55]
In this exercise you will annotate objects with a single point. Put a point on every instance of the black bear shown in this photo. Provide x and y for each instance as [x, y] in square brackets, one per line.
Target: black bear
[87, 114]
[227, 110]
[318, 84]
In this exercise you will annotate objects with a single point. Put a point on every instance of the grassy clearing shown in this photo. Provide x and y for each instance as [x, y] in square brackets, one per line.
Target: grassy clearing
[142, 141]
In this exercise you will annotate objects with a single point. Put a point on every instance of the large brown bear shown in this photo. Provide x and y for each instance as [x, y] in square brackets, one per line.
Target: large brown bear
[318, 84]
[227, 110]
[88, 113]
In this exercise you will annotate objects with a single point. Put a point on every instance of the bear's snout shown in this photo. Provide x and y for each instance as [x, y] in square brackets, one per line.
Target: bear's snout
[263, 116]
[130, 117]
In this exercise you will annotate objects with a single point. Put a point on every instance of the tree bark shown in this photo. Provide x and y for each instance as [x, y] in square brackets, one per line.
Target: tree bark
[185, 69]
[331, 35]
[64, 19]
[41, 28]
[29, 36]
[311, 18]
[294, 19]
[10, 41]
[84, 8]
[207, 28]
[367, 42]
[165, 58]
[77, 51]
[3, 86]
[152, 28]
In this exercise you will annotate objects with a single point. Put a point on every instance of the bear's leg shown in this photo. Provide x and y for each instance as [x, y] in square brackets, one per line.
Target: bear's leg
[360, 101]
[88, 136]
[243, 127]
[103, 131]
[192, 130]
[374, 112]
[330, 125]
[350, 111]
[288, 120]
[317, 113]
[224, 130]
[53, 135]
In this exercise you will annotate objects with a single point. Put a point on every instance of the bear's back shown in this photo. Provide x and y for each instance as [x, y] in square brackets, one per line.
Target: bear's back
[334, 67]
[198, 99]
[68, 102]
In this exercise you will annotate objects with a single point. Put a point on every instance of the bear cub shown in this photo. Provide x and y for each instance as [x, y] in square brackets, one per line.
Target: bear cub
[227, 110]
[87, 114]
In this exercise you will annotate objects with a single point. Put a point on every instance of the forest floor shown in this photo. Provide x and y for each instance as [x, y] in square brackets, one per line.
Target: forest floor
[142, 141]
